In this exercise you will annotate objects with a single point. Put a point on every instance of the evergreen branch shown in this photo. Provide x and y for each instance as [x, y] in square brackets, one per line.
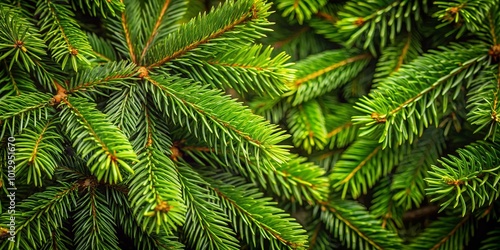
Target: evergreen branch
[296, 40]
[465, 14]
[42, 213]
[19, 38]
[66, 40]
[102, 76]
[94, 224]
[362, 164]
[408, 182]
[123, 214]
[274, 110]
[467, 181]
[491, 30]
[101, 6]
[151, 131]
[280, 43]
[355, 227]
[244, 204]
[319, 74]
[155, 193]
[48, 73]
[300, 10]
[127, 35]
[408, 113]
[157, 24]
[102, 47]
[454, 231]
[320, 238]
[483, 101]
[296, 179]
[206, 225]
[385, 207]
[243, 70]
[59, 240]
[300, 80]
[406, 49]
[307, 126]
[323, 22]
[95, 137]
[206, 156]
[377, 22]
[213, 123]
[207, 28]
[124, 109]
[37, 153]
[340, 129]
[15, 82]
[17, 111]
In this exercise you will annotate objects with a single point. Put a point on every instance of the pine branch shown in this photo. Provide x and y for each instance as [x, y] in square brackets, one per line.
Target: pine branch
[406, 48]
[155, 193]
[160, 18]
[362, 164]
[299, 181]
[107, 148]
[483, 101]
[100, 7]
[20, 41]
[59, 240]
[67, 42]
[208, 30]
[324, 21]
[300, 10]
[307, 125]
[211, 121]
[274, 110]
[466, 181]
[123, 214]
[296, 179]
[355, 227]
[123, 108]
[38, 150]
[464, 14]
[16, 111]
[245, 205]
[385, 207]
[15, 82]
[407, 113]
[251, 69]
[408, 182]
[319, 237]
[41, 213]
[151, 131]
[94, 225]
[454, 233]
[206, 225]
[377, 22]
[102, 47]
[319, 74]
[340, 129]
[103, 76]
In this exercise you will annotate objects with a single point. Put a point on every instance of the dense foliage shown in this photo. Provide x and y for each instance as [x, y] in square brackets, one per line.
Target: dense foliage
[304, 124]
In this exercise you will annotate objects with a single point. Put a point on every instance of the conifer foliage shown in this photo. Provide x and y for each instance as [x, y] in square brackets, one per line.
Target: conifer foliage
[249, 124]
[124, 138]
[398, 102]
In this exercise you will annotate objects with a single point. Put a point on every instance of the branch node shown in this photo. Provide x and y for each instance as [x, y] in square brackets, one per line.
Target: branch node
[61, 94]
[143, 72]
